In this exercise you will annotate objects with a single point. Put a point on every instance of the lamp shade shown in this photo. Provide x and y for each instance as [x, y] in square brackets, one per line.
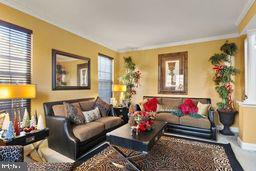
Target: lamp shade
[17, 91]
[119, 87]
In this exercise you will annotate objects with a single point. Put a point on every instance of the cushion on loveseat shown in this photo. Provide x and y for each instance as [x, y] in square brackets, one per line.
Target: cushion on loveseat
[88, 130]
[110, 121]
[87, 105]
[59, 110]
[195, 122]
[104, 107]
[168, 117]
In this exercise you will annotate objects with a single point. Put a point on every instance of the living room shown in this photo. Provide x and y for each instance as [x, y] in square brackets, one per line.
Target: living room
[187, 68]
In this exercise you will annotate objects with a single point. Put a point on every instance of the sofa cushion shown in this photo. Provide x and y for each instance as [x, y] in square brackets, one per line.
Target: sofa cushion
[203, 108]
[92, 115]
[195, 122]
[151, 105]
[110, 121]
[86, 131]
[74, 113]
[168, 117]
[59, 110]
[188, 107]
[87, 105]
[171, 102]
[104, 107]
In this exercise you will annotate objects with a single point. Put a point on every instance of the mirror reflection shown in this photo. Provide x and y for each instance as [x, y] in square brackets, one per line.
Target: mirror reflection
[71, 72]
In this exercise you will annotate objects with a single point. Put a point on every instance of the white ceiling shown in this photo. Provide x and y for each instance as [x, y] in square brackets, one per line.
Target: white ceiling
[136, 24]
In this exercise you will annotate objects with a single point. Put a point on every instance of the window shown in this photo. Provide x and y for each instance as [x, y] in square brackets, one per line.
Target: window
[15, 60]
[105, 77]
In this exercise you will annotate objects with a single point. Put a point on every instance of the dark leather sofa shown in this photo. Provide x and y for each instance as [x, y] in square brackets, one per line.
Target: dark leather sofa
[202, 128]
[62, 138]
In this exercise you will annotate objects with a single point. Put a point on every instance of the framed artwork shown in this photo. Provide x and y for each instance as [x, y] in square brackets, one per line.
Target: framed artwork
[173, 73]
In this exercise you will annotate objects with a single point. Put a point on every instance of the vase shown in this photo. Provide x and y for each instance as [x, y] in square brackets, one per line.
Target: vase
[227, 119]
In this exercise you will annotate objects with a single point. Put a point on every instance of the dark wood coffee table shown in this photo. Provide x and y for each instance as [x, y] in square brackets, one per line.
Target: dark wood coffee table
[142, 143]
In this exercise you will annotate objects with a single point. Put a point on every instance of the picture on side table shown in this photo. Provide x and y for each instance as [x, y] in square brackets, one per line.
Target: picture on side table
[172, 76]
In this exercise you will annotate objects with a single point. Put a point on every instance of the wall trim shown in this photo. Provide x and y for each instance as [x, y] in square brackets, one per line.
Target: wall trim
[234, 129]
[48, 19]
[245, 10]
[186, 42]
[246, 146]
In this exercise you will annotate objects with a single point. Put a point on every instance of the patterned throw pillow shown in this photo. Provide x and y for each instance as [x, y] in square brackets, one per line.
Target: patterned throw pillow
[73, 113]
[92, 115]
[103, 106]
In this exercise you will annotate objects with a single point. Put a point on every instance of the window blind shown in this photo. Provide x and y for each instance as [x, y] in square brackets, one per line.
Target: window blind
[105, 77]
[15, 60]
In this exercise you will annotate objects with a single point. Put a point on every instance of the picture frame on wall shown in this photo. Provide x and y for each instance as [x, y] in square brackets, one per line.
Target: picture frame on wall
[173, 73]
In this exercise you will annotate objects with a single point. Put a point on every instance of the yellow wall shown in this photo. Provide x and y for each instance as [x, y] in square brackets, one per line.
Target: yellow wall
[200, 71]
[247, 128]
[45, 38]
[248, 17]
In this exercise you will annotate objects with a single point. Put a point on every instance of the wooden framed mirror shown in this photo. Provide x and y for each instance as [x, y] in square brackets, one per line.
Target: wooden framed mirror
[69, 71]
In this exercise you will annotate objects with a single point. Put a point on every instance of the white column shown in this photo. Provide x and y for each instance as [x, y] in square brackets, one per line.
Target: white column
[250, 82]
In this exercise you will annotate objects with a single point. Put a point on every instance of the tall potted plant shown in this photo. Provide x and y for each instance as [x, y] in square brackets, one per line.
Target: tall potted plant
[223, 78]
[131, 79]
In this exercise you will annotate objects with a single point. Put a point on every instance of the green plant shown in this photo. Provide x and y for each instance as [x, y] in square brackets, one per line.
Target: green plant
[223, 76]
[131, 78]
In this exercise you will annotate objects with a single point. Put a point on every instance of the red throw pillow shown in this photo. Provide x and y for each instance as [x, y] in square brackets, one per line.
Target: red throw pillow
[188, 107]
[150, 105]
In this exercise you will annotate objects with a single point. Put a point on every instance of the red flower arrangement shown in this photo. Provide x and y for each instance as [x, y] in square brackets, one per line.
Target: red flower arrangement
[141, 121]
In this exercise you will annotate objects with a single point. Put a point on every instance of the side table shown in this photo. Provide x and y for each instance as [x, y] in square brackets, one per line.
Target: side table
[29, 138]
[121, 112]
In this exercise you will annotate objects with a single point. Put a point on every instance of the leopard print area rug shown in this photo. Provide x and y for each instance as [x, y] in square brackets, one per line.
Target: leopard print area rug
[169, 153]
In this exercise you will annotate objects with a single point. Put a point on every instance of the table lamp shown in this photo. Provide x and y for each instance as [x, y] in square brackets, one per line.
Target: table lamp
[17, 91]
[120, 88]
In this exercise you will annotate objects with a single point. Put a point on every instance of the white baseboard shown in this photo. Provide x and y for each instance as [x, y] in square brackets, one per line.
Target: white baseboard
[234, 129]
[246, 146]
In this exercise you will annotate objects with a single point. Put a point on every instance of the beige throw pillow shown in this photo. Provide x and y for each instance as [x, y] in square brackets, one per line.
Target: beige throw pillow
[203, 108]
[92, 115]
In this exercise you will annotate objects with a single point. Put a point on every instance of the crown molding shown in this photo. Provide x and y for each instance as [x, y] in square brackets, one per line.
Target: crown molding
[244, 12]
[186, 42]
[60, 24]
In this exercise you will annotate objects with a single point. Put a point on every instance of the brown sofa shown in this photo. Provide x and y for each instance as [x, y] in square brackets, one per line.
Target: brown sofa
[74, 140]
[186, 125]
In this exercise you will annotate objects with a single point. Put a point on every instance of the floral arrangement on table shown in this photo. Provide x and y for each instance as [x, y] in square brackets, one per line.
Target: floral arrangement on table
[131, 78]
[141, 121]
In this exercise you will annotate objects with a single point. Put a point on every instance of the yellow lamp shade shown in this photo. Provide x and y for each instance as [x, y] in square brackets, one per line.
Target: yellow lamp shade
[17, 91]
[119, 87]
